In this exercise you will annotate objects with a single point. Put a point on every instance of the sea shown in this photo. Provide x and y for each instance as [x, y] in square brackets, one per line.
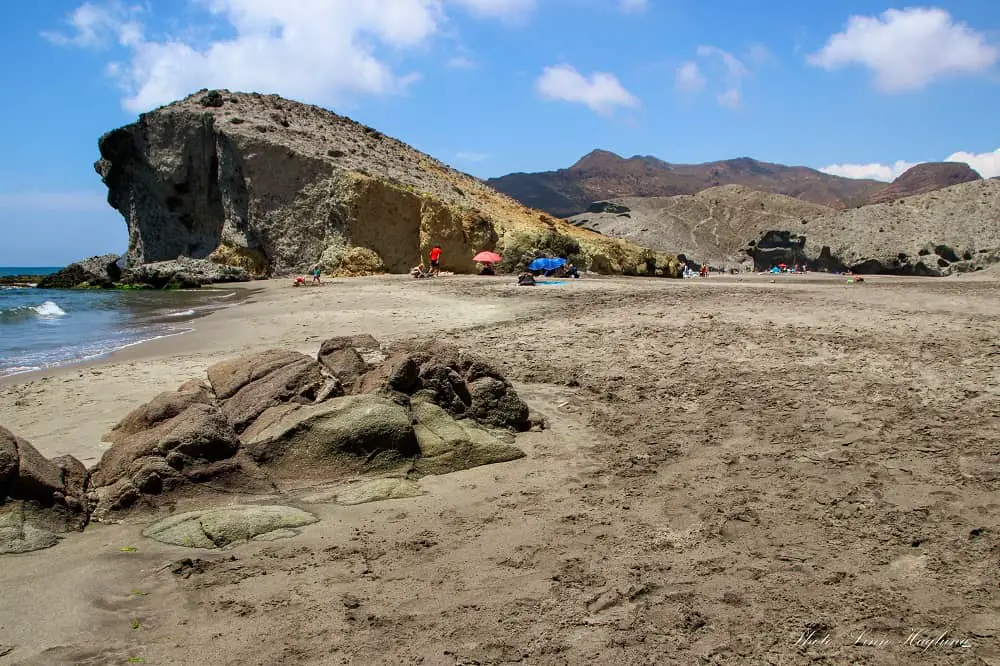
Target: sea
[46, 328]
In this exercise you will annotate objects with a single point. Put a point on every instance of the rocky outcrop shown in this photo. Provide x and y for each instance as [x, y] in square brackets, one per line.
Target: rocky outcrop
[102, 271]
[40, 499]
[183, 273]
[937, 233]
[926, 177]
[278, 417]
[219, 528]
[270, 186]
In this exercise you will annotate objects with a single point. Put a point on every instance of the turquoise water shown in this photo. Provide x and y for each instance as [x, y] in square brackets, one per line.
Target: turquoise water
[43, 328]
[28, 270]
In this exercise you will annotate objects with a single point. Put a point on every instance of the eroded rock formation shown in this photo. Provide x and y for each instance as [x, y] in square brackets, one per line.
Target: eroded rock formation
[269, 186]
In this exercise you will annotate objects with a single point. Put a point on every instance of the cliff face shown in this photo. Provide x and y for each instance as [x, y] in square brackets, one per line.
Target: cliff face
[275, 186]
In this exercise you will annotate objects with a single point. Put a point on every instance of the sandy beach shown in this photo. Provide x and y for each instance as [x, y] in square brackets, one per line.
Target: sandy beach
[734, 471]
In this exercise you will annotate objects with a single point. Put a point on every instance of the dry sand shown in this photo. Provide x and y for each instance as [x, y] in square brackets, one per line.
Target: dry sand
[729, 464]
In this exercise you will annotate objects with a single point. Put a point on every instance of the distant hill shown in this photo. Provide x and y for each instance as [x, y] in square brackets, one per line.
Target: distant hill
[602, 175]
[712, 226]
[924, 178]
[950, 229]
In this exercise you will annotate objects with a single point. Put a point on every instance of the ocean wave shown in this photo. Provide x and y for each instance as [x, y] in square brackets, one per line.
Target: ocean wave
[185, 313]
[47, 310]
[18, 370]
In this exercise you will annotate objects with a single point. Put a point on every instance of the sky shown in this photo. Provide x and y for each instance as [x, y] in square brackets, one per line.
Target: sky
[855, 87]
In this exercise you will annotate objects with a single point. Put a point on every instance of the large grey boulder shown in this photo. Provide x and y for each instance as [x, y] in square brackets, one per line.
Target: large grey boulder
[178, 438]
[39, 498]
[183, 273]
[340, 435]
[101, 271]
[254, 383]
[449, 445]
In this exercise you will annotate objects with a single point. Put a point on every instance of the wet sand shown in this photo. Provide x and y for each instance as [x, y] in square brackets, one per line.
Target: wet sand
[730, 466]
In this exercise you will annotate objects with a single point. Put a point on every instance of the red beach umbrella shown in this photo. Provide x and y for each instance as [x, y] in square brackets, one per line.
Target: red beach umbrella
[487, 258]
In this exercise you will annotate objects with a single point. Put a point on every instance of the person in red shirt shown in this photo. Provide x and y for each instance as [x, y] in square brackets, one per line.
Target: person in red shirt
[435, 259]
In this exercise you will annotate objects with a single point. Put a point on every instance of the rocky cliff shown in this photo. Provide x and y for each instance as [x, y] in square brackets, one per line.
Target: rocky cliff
[924, 178]
[274, 186]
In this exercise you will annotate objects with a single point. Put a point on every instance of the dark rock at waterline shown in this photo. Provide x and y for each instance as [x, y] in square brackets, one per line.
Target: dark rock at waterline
[183, 273]
[101, 271]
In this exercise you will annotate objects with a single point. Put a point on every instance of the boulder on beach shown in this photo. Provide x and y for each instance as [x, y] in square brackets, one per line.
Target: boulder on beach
[39, 498]
[350, 433]
[102, 271]
[267, 418]
[176, 439]
[226, 526]
[449, 445]
[250, 385]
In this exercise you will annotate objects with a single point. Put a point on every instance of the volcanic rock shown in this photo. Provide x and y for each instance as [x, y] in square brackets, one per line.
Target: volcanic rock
[102, 271]
[219, 528]
[39, 498]
[271, 186]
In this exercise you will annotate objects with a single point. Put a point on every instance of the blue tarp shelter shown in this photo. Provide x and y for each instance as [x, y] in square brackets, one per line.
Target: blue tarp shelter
[546, 264]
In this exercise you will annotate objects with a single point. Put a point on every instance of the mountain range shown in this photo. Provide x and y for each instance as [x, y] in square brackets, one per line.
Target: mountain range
[602, 175]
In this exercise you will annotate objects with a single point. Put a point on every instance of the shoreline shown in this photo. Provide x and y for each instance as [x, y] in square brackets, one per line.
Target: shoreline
[205, 337]
[179, 323]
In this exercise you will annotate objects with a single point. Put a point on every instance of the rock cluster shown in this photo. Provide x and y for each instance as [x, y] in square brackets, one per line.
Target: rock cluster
[105, 272]
[266, 419]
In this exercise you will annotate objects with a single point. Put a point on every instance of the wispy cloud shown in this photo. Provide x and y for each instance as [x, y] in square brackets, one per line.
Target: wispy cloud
[461, 62]
[633, 6]
[469, 156]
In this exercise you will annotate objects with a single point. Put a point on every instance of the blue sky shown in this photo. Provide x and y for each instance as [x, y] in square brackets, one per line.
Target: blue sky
[492, 86]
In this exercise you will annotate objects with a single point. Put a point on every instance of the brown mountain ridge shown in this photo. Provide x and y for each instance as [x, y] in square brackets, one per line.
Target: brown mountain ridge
[602, 175]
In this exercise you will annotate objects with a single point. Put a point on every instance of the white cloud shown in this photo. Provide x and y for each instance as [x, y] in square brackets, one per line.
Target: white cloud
[873, 171]
[688, 78]
[316, 50]
[95, 26]
[602, 92]
[467, 156]
[986, 164]
[633, 6]
[907, 49]
[733, 75]
[514, 10]
[66, 202]
[461, 62]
